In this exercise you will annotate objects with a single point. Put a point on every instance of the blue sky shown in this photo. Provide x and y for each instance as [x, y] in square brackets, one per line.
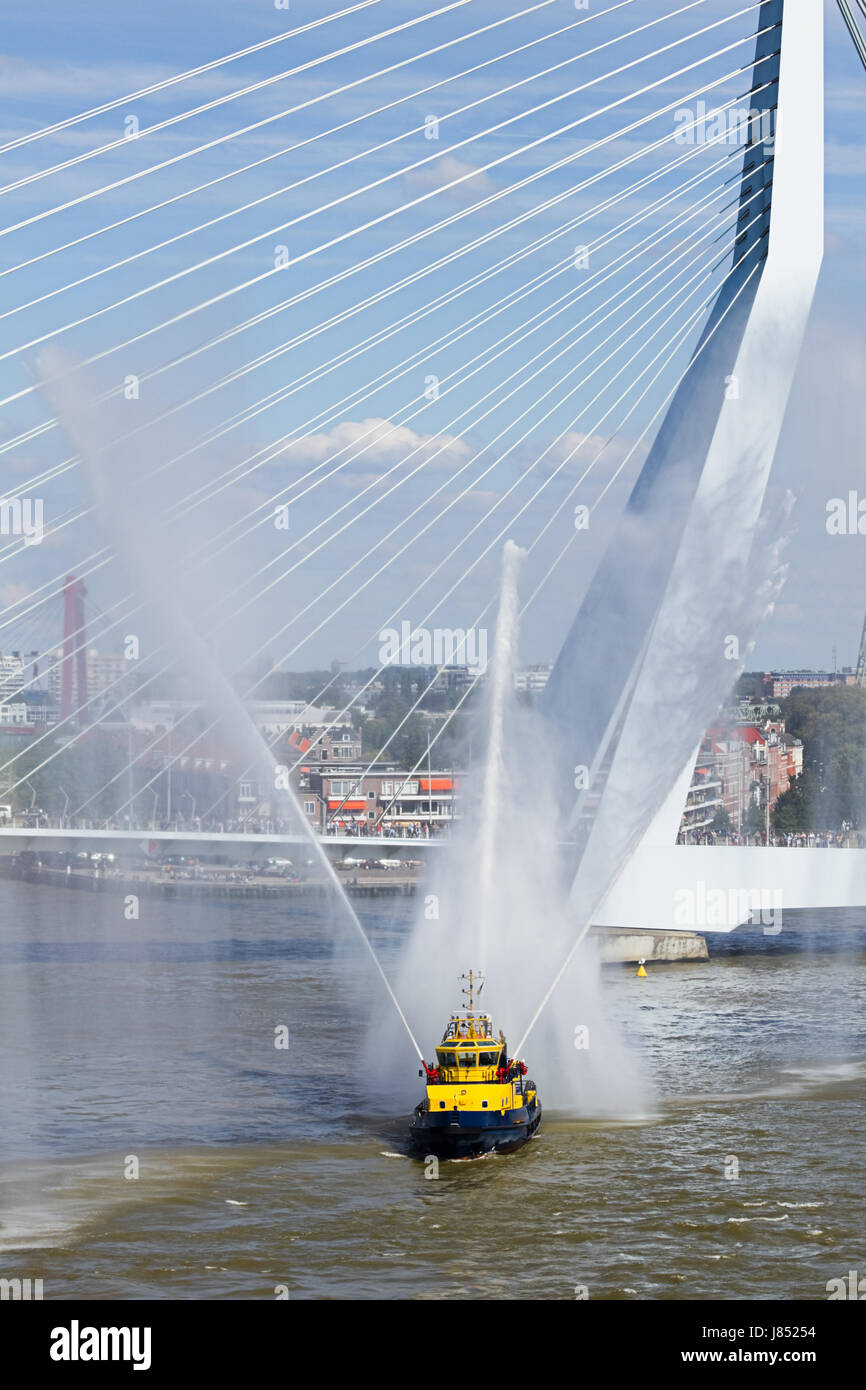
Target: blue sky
[536, 411]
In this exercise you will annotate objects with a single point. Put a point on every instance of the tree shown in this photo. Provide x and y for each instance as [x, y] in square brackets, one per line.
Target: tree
[750, 685]
[753, 820]
[374, 732]
[832, 725]
[90, 771]
[721, 822]
[410, 745]
[801, 806]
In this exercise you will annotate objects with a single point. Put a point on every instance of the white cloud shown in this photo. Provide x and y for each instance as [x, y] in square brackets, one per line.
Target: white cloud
[366, 446]
[447, 170]
[576, 452]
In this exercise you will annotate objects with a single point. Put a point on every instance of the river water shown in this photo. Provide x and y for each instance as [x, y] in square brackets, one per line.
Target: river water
[148, 1047]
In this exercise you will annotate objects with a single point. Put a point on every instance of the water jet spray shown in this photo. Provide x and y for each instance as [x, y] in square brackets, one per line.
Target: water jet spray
[112, 486]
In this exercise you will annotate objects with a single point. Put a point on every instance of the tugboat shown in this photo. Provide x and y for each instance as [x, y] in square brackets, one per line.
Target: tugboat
[478, 1098]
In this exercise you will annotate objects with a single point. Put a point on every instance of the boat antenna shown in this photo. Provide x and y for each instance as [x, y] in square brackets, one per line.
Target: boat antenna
[473, 977]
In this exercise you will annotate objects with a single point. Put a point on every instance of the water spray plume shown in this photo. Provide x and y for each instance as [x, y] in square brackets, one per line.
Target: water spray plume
[496, 899]
[126, 510]
[501, 688]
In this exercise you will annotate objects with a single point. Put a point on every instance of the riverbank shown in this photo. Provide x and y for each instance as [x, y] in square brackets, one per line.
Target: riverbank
[362, 883]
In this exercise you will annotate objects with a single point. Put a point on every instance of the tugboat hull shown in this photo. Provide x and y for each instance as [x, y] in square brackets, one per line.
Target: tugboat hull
[478, 1099]
[469, 1133]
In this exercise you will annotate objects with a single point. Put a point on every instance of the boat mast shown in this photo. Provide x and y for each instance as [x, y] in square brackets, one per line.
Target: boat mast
[472, 977]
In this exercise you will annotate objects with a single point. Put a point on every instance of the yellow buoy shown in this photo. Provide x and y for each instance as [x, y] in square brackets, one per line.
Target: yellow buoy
[641, 973]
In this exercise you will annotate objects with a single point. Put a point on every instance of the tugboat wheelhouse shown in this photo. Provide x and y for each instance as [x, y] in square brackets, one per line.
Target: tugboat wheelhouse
[477, 1097]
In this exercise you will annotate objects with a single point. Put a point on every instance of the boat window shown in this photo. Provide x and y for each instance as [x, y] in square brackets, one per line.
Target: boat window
[467, 1059]
[487, 1059]
[484, 1105]
[447, 1059]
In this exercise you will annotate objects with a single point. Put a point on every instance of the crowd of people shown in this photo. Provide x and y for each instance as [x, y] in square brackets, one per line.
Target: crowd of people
[406, 830]
[812, 839]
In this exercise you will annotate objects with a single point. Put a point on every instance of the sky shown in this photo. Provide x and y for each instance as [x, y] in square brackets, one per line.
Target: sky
[431, 309]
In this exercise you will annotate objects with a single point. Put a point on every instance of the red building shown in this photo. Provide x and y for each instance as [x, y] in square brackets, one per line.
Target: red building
[740, 766]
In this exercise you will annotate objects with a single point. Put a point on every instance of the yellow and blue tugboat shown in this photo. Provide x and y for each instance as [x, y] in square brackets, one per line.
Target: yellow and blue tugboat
[478, 1097]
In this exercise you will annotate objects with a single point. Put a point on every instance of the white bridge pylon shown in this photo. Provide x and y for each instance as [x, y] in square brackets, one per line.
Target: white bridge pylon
[714, 888]
[687, 569]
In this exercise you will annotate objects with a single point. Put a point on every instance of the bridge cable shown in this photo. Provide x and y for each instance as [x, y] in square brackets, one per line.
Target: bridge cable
[677, 340]
[386, 216]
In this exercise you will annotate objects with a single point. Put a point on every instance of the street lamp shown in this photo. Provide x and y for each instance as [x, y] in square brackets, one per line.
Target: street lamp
[32, 794]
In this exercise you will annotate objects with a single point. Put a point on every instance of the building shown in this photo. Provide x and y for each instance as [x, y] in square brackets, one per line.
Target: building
[532, 679]
[774, 758]
[341, 744]
[387, 802]
[457, 678]
[16, 670]
[271, 717]
[730, 758]
[106, 673]
[275, 717]
[17, 727]
[779, 684]
[17, 713]
[739, 768]
[375, 801]
[704, 799]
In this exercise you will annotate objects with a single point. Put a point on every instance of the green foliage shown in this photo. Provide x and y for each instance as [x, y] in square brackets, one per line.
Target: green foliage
[410, 745]
[721, 823]
[798, 808]
[403, 748]
[832, 725]
[374, 733]
[754, 819]
[750, 686]
[79, 770]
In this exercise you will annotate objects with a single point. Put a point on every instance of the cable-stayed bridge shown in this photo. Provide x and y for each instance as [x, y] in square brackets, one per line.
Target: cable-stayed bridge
[477, 277]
